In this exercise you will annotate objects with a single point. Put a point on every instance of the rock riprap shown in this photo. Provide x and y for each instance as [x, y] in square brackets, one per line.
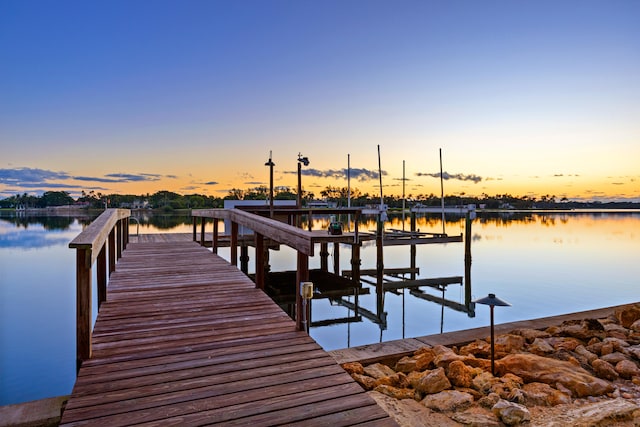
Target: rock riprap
[558, 376]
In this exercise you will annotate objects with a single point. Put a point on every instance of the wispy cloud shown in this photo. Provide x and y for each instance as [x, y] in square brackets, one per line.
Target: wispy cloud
[22, 176]
[120, 178]
[355, 173]
[34, 177]
[455, 176]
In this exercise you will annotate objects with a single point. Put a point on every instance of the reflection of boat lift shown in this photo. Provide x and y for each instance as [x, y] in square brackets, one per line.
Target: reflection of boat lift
[439, 283]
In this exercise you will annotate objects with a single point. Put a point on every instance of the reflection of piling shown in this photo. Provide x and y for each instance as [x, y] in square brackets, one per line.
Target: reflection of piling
[355, 263]
[413, 248]
[467, 262]
[324, 256]
[379, 267]
[244, 258]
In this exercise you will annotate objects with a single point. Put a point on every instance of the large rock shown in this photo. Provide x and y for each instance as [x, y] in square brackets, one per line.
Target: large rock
[448, 400]
[583, 330]
[533, 368]
[634, 351]
[406, 364]
[478, 348]
[353, 367]
[398, 379]
[378, 370]
[585, 354]
[627, 369]
[615, 330]
[367, 382]
[627, 315]
[508, 343]
[614, 357]
[395, 392]
[421, 359]
[564, 343]
[475, 362]
[410, 413]
[424, 358]
[540, 346]
[444, 356]
[431, 382]
[541, 394]
[477, 417]
[529, 334]
[484, 382]
[604, 370]
[508, 387]
[511, 413]
[460, 374]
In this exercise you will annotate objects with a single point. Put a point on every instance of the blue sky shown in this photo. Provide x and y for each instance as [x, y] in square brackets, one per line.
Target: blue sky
[523, 97]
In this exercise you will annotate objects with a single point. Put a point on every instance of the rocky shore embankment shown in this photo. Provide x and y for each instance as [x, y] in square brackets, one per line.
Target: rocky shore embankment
[578, 373]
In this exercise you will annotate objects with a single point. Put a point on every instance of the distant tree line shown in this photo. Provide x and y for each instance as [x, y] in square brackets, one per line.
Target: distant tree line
[338, 196]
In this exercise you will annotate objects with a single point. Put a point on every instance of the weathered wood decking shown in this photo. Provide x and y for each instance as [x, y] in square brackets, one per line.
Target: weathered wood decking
[185, 338]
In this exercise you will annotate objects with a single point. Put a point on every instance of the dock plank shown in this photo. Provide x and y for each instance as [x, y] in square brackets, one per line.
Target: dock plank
[184, 338]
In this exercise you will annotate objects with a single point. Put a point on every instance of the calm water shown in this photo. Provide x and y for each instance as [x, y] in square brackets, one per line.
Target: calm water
[543, 264]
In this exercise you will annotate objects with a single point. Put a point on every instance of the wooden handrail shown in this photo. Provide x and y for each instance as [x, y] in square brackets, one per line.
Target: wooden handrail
[107, 233]
[303, 241]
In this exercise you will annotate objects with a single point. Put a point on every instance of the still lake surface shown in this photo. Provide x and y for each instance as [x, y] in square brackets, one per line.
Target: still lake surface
[543, 263]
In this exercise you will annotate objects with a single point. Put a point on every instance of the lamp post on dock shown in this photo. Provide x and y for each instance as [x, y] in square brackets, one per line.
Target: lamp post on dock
[301, 161]
[271, 165]
[491, 300]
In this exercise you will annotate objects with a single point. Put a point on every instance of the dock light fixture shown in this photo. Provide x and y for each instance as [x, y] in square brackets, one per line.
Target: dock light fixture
[306, 292]
[491, 300]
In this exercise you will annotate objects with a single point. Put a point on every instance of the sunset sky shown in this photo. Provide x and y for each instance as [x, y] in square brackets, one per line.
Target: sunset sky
[523, 97]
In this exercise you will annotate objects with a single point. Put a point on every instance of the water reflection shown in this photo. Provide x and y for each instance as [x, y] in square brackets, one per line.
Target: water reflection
[543, 263]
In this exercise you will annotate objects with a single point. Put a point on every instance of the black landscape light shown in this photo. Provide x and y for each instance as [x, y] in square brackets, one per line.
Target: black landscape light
[492, 300]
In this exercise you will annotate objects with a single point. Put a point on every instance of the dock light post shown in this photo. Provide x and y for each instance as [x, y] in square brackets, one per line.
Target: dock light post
[271, 165]
[491, 300]
[301, 161]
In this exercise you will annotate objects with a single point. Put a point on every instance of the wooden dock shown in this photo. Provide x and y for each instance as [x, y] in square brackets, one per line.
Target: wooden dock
[185, 338]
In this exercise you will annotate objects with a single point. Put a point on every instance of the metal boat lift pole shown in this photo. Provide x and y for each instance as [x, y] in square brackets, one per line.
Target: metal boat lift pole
[442, 192]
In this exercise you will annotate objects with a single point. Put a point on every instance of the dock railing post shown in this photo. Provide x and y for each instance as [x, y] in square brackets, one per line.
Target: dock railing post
[119, 239]
[112, 251]
[234, 243]
[203, 221]
[194, 228]
[214, 242]
[83, 306]
[259, 261]
[101, 266]
[125, 239]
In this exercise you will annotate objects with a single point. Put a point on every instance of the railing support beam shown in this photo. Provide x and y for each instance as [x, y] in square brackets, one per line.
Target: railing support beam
[83, 306]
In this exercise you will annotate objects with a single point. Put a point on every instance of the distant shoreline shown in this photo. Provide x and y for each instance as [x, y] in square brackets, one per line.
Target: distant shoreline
[74, 210]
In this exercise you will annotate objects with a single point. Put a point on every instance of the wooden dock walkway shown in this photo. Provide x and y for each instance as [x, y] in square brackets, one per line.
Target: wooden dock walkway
[185, 338]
